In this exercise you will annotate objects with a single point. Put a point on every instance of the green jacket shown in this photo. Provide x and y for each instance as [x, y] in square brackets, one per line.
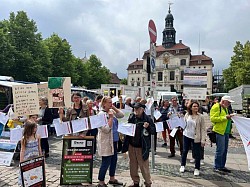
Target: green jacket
[218, 119]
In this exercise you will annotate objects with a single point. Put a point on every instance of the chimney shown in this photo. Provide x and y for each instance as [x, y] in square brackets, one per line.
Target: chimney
[180, 41]
[136, 59]
[203, 52]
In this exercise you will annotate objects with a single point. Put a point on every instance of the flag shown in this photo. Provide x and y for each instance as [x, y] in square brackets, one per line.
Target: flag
[243, 127]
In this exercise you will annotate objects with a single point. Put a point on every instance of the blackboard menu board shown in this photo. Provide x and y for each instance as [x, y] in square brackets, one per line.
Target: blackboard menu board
[33, 172]
[77, 160]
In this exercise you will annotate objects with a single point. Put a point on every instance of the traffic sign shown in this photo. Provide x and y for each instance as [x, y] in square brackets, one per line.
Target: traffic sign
[152, 31]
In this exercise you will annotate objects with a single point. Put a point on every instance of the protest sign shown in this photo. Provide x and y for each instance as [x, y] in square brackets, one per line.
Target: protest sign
[7, 149]
[127, 129]
[97, 121]
[16, 134]
[79, 125]
[33, 172]
[77, 160]
[25, 99]
[62, 128]
[42, 130]
[176, 122]
[59, 92]
[42, 90]
[159, 126]
[3, 118]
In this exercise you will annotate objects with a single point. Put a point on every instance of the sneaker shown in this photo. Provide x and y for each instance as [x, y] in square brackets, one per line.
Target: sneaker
[225, 170]
[164, 145]
[196, 172]
[192, 160]
[202, 163]
[182, 169]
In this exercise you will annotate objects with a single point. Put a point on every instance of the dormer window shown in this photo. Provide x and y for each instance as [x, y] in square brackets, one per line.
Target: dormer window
[199, 61]
[177, 51]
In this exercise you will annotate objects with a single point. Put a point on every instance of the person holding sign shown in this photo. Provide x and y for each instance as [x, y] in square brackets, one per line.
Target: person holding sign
[194, 133]
[45, 117]
[30, 144]
[138, 146]
[79, 110]
[175, 110]
[108, 137]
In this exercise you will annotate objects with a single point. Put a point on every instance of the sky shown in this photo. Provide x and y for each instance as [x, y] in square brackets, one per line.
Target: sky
[116, 31]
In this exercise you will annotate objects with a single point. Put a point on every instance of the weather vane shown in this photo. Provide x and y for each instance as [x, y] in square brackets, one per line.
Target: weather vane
[169, 11]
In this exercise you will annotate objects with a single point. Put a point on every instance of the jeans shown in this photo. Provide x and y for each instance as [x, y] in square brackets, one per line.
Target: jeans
[196, 147]
[201, 153]
[221, 151]
[108, 162]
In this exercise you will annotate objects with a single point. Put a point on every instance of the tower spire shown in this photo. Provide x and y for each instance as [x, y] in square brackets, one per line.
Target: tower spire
[168, 39]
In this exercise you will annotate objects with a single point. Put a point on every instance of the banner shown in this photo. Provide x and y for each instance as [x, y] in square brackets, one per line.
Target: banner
[243, 126]
[195, 84]
[59, 92]
[33, 172]
[77, 160]
[25, 99]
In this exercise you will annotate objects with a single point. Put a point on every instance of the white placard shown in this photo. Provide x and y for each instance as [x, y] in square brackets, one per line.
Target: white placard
[176, 122]
[173, 132]
[150, 102]
[126, 113]
[128, 108]
[79, 125]
[5, 158]
[5, 134]
[97, 121]
[195, 93]
[25, 99]
[159, 126]
[157, 114]
[62, 128]
[115, 99]
[42, 130]
[127, 129]
[3, 118]
[16, 134]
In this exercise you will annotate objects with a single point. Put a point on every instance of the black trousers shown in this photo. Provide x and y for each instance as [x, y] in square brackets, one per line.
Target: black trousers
[45, 145]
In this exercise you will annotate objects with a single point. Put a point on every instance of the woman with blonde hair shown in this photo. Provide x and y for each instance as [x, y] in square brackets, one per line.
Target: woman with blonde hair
[108, 137]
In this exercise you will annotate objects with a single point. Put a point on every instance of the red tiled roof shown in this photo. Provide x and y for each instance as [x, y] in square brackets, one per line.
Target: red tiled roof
[205, 60]
[114, 79]
[138, 64]
[161, 49]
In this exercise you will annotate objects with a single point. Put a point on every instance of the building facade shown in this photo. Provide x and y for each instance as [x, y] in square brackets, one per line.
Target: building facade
[171, 60]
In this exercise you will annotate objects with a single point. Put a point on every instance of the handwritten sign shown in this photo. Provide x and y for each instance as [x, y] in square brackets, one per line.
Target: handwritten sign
[59, 92]
[25, 99]
[42, 90]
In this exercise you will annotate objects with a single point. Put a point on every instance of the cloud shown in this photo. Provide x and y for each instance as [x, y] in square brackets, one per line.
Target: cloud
[114, 29]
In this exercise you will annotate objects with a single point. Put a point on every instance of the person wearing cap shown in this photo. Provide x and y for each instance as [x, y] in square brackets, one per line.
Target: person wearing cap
[221, 121]
[138, 146]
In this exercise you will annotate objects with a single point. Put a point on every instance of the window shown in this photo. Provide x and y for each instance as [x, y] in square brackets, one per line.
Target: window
[159, 76]
[138, 79]
[138, 71]
[135, 71]
[132, 84]
[182, 75]
[131, 71]
[182, 87]
[132, 79]
[138, 83]
[194, 67]
[205, 67]
[183, 62]
[199, 61]
[172, 73]
[177, 51]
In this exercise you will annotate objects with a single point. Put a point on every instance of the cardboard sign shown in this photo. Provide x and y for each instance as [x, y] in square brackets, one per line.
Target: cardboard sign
[42, 90]
[59, 92]
[25, 99]
[77, 160]
[33, 172]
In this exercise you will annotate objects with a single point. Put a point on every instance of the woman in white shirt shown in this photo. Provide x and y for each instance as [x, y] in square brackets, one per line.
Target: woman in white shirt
[194, 132]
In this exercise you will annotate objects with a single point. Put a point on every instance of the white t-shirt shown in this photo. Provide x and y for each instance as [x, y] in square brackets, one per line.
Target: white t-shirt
[189, 131]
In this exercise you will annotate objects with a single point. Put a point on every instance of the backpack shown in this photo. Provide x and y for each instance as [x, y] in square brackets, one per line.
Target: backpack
[211, 134]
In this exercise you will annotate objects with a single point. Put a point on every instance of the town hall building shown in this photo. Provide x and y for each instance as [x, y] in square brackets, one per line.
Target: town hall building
[171, 60]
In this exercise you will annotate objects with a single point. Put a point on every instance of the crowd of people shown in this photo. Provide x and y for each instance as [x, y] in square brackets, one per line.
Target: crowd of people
[108, 141]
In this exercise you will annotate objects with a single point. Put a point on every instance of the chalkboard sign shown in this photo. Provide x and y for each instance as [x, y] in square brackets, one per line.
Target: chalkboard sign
[77, 160]
[33, 172]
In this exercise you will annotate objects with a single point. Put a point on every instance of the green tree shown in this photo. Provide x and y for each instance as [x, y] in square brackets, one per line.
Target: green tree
[81, 71]
[239, 71]
[30, 58]
[61, 58]
[97, 74]
[124, 81]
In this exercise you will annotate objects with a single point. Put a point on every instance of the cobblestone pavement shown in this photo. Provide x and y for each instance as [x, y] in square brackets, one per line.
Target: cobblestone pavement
[166, 172]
